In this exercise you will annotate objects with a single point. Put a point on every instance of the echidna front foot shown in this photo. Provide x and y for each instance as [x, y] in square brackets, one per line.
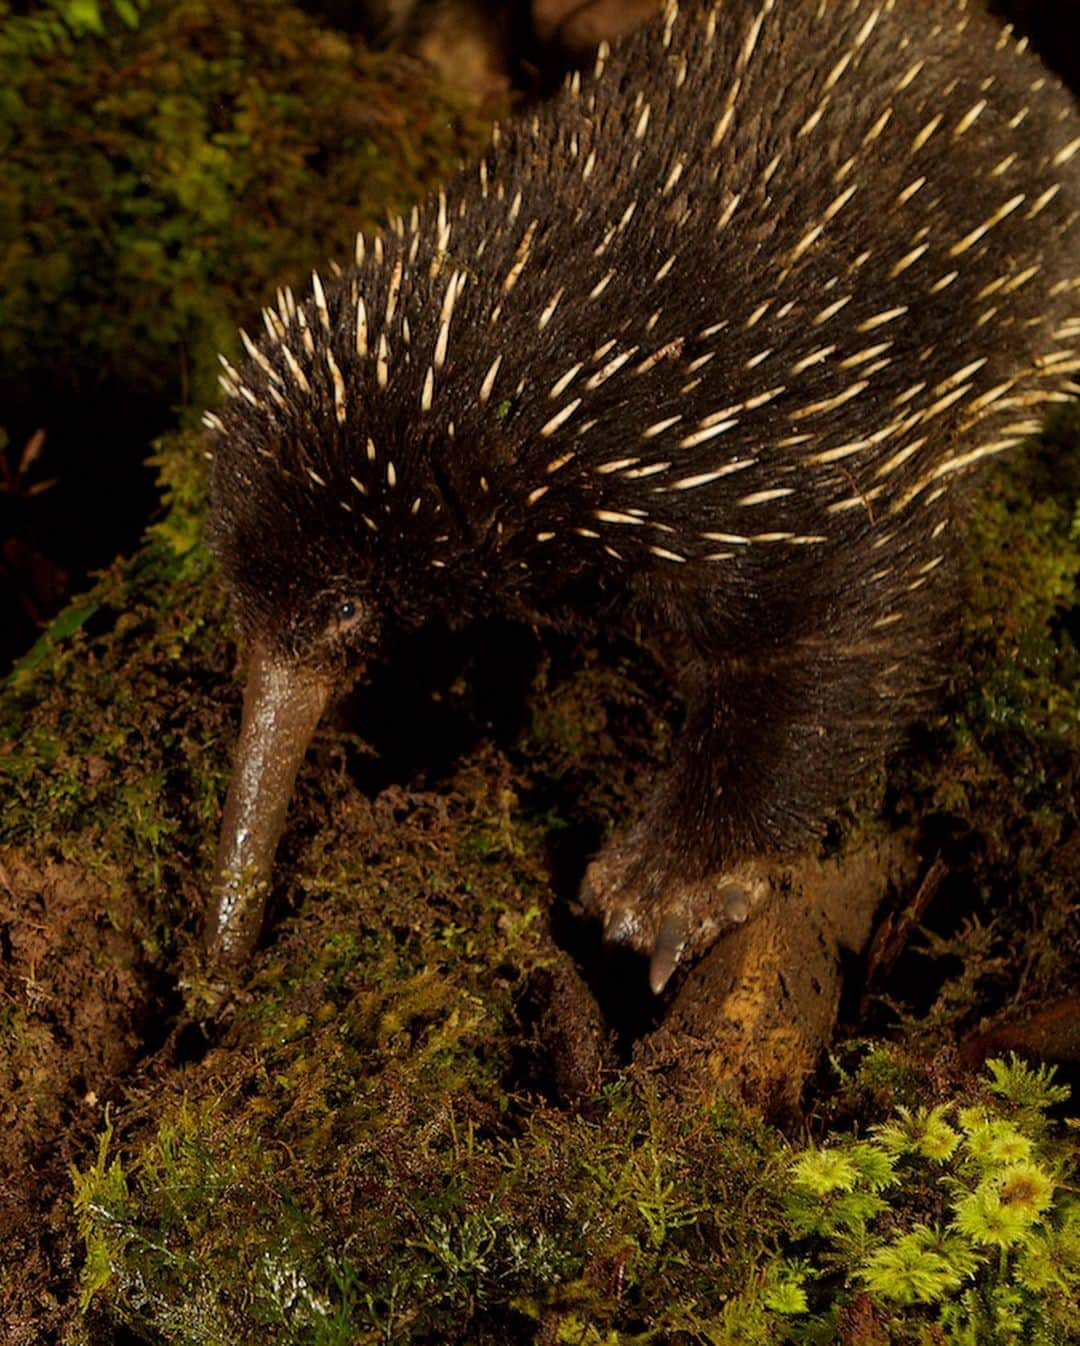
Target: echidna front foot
[753, 1015]
[631, 889]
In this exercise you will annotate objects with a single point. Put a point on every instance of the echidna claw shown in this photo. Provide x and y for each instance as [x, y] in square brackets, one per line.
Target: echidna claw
[735, 901]
[668, 918]
[619, 925]
[668, 949]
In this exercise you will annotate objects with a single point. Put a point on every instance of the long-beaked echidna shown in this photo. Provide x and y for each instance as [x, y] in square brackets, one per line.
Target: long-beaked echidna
[713, 337]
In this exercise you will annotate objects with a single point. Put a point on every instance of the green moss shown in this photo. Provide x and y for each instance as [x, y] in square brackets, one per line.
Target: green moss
[993, 783]
[441, 1227]
[444, 1224]
[150, 202]
[961, 1201]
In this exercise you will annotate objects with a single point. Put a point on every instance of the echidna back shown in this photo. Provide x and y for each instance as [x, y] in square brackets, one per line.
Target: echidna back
[724, 323]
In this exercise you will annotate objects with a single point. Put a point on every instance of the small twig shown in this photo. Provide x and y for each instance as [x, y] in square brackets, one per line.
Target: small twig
[892, 935]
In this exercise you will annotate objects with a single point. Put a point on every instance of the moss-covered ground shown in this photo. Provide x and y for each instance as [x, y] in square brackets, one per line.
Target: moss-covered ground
[373, 1145]
[383, 1139]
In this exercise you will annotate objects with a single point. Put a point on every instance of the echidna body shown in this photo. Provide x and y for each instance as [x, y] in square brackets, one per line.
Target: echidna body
[712, 338]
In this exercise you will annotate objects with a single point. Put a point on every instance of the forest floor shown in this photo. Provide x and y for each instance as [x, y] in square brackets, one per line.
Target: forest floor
[438, 1109]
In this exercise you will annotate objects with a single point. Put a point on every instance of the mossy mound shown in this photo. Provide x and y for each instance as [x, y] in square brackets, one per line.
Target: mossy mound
[372, 1144]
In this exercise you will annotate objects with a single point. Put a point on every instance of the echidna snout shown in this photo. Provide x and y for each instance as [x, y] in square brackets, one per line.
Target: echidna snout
[717, 336]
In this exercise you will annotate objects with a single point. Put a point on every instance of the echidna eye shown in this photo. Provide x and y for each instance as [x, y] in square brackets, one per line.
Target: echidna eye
[347, 615]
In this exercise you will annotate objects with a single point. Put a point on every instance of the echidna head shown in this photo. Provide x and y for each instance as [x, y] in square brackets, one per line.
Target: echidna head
[333, 526]
[307, 604]
[300, 584]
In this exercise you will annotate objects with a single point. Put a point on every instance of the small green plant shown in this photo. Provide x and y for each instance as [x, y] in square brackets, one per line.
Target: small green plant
[950, 1219]
[1024, 1086]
